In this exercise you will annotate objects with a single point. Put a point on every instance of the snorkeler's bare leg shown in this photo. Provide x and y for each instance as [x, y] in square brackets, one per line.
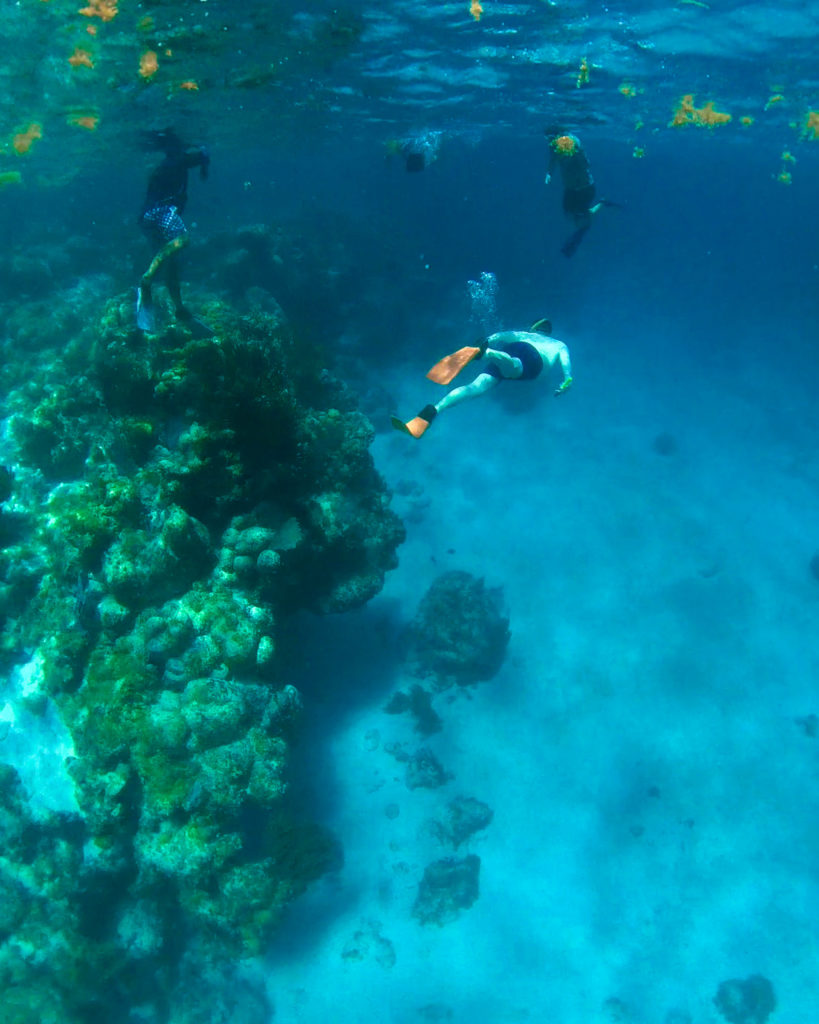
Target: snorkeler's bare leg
[510, 366]
[174, 288]
[479, 386]
[167, 250]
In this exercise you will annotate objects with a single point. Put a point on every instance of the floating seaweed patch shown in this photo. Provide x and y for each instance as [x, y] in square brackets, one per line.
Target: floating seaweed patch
[775, 98]
[10, 178]
[785, 177]
[476, 10]
[90, 122]
[710, 117]
[148, 64]
[23, 141]
[810, 126]
[704, 117]
[583, 73]
[565, 144]
[80, 58]
[105, 10]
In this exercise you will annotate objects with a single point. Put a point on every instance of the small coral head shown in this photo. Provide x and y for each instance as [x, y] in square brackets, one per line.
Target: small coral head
[565, 144]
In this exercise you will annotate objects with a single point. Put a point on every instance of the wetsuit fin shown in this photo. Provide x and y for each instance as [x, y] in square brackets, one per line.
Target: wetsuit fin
[418, 425]
[448, 368]
[570, 246]
[198, 328]
[145, 318]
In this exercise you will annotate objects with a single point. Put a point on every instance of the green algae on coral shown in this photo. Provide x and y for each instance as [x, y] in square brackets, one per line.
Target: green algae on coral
[182, 497]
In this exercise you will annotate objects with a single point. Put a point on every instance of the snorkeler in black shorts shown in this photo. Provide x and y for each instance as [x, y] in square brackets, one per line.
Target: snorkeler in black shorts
[567, 155]
[509, 355]
[160, 219]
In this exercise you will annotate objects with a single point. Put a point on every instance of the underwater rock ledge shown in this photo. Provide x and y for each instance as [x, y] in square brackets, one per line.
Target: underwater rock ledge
[173, 500]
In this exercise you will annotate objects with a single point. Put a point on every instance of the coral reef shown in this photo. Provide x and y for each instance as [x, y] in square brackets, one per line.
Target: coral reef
[367, 943]
[449, 886]
[465, 816]
[424, 770]
[172, 501]
[748, 1001]
[459, 634]
[418, 702]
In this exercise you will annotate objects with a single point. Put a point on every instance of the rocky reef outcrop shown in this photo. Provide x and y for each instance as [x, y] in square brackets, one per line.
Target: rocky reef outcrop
[746, 1000]
[172, 500]
[460, 633]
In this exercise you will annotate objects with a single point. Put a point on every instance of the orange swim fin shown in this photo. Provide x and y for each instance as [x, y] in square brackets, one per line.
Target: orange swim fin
[417, 426]
[448, 368]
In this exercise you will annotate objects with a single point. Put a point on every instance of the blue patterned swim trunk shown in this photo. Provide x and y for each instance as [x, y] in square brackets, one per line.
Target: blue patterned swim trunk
[162, 223]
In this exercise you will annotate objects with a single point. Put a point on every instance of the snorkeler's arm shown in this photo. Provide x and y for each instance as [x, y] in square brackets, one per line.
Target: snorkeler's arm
[550, 167]
[566, 367]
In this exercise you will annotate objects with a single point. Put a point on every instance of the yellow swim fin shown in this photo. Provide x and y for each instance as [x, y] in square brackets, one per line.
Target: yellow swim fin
[417, 426]
[448, 368]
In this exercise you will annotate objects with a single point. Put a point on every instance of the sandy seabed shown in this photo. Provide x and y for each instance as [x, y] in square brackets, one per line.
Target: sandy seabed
[644, 747]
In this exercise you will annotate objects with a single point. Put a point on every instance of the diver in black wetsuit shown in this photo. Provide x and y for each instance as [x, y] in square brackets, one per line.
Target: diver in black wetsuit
[160, 219]
[566, 154]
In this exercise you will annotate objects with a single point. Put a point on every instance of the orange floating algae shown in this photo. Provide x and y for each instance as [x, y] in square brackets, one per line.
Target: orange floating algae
[88, 121]
[189, 86]
[710, 117]
[705, 116]
[22, 141]
[80, 58]
[148, 64]
[810, 129]
[564, 144]
[476, 10]
[105, 10]
[784, 177]
[684, 111]
[583, 73]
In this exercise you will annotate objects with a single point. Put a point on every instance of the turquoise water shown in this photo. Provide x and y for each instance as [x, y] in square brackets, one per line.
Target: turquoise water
[236, 787]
